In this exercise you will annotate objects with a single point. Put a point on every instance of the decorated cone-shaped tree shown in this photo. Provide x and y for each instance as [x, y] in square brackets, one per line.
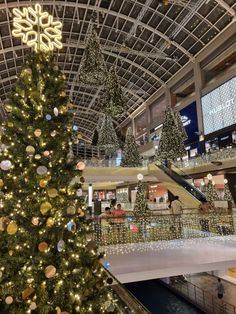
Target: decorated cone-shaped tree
[48, 260]
[107, 138]
[227, 194]
[211, 194]
[93, 69]
[113, 102]
[180, 126]
[140, 206]
[171, 143]
[130, 156]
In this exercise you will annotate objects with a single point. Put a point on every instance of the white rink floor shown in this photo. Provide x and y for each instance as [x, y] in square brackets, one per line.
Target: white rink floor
[142, 261]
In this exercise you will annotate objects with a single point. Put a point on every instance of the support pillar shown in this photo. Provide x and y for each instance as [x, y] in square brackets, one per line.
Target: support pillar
[199, 83]
[171, 98]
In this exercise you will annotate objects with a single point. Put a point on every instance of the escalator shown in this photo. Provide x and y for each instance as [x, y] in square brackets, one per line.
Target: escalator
[175, 180]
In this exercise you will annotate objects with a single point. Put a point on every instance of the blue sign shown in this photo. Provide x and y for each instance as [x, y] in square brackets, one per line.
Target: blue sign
[189, 119]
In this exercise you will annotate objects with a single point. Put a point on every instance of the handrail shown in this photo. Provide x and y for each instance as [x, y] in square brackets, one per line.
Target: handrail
[132, 229]
[211, 307]
[127, 297]
[181, 181]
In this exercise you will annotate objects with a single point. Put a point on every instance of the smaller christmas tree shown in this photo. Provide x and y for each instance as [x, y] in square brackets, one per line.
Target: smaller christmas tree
[113, 103]
[140, 207]
[227, 194]
[131, 157]
[171, 143]
[211, 194]
[93, 69]
[107, 138]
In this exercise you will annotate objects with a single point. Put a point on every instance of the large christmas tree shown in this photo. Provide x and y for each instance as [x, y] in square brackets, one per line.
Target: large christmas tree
[211, 194]
[107, 138]
[113, 102]
[171, 143]
[130, 156]
[48, 262]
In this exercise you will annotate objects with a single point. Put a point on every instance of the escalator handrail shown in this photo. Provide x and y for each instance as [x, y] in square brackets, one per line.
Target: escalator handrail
[184, 183]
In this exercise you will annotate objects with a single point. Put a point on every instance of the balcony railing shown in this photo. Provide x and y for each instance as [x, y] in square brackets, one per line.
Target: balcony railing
[133, 229]
[203, 299]
[126, 302]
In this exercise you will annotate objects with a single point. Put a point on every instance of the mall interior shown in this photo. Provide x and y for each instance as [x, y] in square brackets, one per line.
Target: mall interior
[118, 156]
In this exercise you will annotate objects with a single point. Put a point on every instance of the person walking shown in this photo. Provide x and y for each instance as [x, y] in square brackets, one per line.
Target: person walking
[220, 289]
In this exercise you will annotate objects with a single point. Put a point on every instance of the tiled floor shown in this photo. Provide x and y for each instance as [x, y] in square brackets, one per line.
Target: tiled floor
[209, 283]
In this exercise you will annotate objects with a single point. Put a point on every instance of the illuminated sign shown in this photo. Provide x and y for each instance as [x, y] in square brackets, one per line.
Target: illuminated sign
[185, 120]
[219, 107]
[37, 29]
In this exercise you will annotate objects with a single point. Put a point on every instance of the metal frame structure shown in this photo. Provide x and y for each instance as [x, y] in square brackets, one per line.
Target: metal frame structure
[149, 42]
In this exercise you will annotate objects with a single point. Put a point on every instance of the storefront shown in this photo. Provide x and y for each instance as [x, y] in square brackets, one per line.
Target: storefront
[104, 195]
[219, 116]
[157, 193]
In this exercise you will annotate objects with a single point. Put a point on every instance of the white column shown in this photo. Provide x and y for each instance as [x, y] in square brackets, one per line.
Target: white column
[90, 195]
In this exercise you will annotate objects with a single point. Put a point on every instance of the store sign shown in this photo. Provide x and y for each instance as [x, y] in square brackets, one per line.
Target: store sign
[189, 119]
[219, 107]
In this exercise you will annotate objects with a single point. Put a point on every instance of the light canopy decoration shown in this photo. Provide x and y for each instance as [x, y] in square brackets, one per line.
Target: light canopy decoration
[37, 28]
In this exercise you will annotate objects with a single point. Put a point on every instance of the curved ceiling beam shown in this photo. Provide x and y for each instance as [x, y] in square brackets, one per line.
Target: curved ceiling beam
[77, 117]
[82, 46]
[101, 10]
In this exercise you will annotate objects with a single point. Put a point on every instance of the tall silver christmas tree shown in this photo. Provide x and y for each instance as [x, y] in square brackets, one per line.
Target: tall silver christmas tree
[131, 156]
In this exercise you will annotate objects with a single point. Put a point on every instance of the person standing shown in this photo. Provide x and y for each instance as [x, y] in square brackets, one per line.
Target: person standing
[176, 206]
[176, 210]
[220, 289]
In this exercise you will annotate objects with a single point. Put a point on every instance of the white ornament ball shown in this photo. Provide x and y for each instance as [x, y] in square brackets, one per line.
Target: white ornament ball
[33, 306]
[55, 111]
[5, 165]
[80, 165]
[225, 181]
[209, 176]
[37, 156]
[60, 246]
[79, 192]
[42, 170]
[50, 271]
[53, 133]
[48, 117]
[140, 176]
[46, 153]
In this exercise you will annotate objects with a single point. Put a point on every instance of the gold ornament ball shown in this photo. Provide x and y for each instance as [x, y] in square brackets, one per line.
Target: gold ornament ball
[8, 108]
[37, 132]
[37, 156]
[4, 221]
[80, 212]
[27, 293]
[10, 124]
[35, 221]
[45, 207]
[50, 222]
[52, 192]
[63, 94]
[70, 210]
[10, 252]
[9, 300]
[1, 183]
[50, 271]
[80, 165]
[30, 150]
[43, 247]
[33, 306]
[58, 310]
[62, 109]
[43, 183]
[79, 136]
[12, 228]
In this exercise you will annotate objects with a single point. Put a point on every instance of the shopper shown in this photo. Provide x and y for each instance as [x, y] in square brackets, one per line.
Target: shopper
[113, 205]
[220, 289]
[105, 217]
[176, 206]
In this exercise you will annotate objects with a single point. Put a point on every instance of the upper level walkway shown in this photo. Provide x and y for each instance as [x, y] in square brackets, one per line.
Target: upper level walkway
[167, 245]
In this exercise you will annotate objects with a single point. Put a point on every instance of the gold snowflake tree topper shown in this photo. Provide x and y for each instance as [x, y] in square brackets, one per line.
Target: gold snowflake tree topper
[37, 28]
